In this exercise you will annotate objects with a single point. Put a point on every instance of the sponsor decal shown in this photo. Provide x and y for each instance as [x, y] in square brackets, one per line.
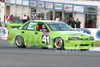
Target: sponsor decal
[10, 37]
[79, 9]
[45, 38]
[13, 1]
[45, 33]
[40, 4]
[68, 7]
[26, 2]
[77, 34]
[33, 3]
[49, 5]
[98, 34]
[87, 31]
[2, 32]
[58, 6]
[19, 2]
[90, 9]
[84, 31]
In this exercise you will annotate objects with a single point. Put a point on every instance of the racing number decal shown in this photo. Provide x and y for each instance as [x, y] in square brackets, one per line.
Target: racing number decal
[45, 39]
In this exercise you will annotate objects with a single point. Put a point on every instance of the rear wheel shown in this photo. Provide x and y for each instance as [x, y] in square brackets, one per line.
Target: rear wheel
[19, 42]
[59, 44]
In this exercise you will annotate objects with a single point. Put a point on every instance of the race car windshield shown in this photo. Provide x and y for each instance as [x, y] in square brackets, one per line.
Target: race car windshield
[59, 26]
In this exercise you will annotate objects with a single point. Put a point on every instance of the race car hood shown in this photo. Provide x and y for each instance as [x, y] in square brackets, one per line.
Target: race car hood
[74, 33]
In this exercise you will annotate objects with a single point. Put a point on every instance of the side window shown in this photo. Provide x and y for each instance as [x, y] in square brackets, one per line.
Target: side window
[31, 26]
[42, 27]
[25, 27]
[39, 26]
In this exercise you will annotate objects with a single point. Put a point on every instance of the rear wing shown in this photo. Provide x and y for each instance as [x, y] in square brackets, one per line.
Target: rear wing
[13, 26]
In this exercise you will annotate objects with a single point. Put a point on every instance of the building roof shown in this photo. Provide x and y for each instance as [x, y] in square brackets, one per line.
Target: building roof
[95, 3]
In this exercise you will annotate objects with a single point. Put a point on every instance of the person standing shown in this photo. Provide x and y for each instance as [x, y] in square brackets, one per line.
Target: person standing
[28, 18]
[73, 23]
[57, 18]
[70, 21]
[89, 23]
[25, 18]
[32, 17]
[78, 23]
[67, 21]
[10, 18]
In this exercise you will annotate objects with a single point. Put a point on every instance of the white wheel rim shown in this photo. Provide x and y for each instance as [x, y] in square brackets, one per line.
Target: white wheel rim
[19, 41]
[58, 43]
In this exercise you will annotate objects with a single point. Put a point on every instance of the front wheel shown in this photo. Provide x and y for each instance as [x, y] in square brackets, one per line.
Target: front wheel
[59, 44]
[19, 42]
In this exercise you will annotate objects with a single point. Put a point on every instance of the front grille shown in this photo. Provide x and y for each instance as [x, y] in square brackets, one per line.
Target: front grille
[83, 38]
[84, 44]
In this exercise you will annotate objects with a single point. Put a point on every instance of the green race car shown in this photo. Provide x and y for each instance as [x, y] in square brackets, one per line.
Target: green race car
[49, 34]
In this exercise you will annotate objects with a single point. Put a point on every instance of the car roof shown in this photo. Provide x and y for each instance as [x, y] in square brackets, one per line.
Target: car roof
[46, 21]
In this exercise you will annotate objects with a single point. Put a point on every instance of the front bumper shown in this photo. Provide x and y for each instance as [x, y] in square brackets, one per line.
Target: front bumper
[79, 44]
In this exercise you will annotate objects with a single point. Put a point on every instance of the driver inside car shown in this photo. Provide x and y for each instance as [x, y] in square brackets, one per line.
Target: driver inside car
[44, 28]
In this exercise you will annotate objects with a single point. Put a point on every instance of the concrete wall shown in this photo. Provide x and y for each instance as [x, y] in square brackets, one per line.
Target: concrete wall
[27, 11]
[19, 11]
[2, 13]
[98, 17]
[13, 10]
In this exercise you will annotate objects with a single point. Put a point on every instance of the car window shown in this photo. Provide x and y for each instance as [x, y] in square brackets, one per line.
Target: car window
[29, 26]
[41, 27]
[25, 26]
[59, 26]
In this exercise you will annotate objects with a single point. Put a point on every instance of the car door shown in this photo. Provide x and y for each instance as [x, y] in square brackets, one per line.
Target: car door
[42, 37]
[28, 32]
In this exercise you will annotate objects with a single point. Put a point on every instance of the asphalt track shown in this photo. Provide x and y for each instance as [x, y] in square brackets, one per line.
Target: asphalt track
[11, 56]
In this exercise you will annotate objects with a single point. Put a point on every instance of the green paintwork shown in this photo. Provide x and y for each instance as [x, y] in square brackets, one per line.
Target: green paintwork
[35, 40]
[10, 26]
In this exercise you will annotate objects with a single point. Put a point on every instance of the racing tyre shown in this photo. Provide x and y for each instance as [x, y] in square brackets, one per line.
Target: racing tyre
[84, 49]
[59, 44]
[19, 42]
[44, 47]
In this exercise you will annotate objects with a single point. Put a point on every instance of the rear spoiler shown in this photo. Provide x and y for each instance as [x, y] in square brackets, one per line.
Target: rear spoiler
[13, 26]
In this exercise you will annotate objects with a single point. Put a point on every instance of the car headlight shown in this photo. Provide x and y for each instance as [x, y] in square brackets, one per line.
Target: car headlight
[73, 38]
[91, 38]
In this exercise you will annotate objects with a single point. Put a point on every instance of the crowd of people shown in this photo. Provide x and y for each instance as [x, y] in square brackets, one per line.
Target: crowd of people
[69, 20]
[90, 22]
[73, 23]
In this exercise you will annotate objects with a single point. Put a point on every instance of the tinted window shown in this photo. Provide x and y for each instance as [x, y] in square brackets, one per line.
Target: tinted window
[59, 26]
